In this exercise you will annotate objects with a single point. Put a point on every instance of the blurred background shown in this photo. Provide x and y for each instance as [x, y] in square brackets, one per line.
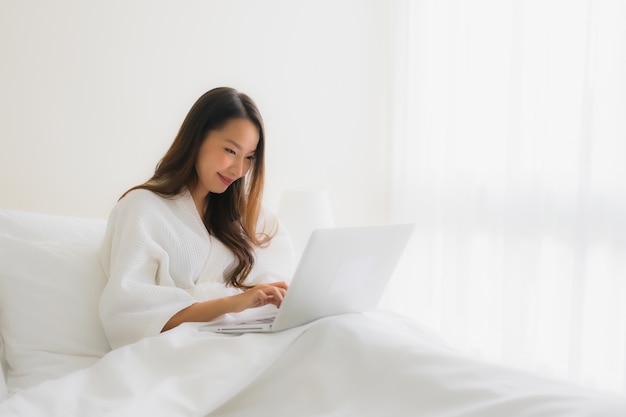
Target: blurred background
[496, 126]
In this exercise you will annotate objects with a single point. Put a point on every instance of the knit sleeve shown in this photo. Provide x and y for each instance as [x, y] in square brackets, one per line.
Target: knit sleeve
[140, 295]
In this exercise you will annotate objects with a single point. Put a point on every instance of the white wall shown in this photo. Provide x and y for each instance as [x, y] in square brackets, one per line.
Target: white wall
[92, 94]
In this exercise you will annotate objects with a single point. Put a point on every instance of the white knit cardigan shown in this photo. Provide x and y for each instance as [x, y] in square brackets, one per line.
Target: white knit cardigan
[159, 259]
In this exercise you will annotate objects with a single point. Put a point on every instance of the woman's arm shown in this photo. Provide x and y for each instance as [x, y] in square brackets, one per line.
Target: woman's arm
[257, 296]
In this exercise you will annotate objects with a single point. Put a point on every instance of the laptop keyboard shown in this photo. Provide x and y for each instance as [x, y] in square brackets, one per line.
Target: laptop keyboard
[263, 320]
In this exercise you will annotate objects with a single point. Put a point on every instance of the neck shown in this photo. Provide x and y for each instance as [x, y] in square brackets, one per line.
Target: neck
[199, 200]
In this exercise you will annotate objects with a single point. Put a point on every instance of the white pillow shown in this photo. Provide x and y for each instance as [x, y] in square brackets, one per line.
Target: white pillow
[41, 226]
[49, 294]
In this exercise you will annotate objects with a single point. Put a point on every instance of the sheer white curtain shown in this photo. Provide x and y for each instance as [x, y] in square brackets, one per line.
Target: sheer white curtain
[510, 157]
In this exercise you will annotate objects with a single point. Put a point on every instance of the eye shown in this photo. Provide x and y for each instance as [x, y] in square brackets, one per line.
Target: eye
[230, 151]
[251, 158]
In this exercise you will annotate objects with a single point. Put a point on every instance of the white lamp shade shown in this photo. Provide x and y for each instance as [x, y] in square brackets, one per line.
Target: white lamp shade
[301, 212]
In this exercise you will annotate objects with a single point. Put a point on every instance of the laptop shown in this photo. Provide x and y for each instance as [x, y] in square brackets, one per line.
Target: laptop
[342, 270]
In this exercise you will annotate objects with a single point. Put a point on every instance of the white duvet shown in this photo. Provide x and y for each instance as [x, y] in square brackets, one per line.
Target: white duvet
[373, 364]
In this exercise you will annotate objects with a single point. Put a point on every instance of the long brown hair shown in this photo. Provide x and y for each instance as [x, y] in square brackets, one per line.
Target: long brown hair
[231, 216]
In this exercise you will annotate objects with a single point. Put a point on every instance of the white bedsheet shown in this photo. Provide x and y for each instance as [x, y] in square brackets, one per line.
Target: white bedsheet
[373, 364]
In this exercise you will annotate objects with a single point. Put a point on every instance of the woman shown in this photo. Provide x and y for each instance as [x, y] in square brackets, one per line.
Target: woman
[181, 247]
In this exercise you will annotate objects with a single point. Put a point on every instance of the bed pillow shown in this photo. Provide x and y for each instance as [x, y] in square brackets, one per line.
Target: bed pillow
[49, 294]
[43, 226]
[52, 227]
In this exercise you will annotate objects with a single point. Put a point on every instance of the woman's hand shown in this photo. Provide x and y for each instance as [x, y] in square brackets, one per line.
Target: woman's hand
[260, 295]
[257, 296]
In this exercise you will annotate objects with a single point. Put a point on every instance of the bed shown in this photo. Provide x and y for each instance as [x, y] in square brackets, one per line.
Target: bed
[56, 360]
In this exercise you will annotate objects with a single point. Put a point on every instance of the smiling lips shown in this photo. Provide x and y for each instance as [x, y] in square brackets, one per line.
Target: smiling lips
[225, 180]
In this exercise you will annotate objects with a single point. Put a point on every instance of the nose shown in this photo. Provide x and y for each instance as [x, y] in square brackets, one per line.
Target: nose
[238, 169]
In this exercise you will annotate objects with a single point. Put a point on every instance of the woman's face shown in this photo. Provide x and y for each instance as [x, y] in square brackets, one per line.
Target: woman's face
[225, 156]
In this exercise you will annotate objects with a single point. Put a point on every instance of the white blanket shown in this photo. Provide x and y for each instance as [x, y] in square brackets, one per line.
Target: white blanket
[373, 364]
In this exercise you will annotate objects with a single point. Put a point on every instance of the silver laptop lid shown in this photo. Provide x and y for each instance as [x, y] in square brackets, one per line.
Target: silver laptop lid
[342, 270]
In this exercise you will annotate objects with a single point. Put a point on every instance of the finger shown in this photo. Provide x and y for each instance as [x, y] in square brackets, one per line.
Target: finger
[276, 295]
[261, 298]
[280, 284]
